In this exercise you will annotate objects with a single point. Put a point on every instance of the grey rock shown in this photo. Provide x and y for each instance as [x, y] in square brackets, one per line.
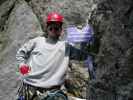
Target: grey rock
[75, 12]
[22, 25]
[6, 7]
[112, 21]
[112, 24]
[18, 23]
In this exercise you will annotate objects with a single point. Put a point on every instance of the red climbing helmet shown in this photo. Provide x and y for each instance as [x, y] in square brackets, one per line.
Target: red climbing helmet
[54, 16]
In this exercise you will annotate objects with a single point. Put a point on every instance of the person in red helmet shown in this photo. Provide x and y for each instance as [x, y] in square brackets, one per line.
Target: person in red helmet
[43, 62]
[54, 23]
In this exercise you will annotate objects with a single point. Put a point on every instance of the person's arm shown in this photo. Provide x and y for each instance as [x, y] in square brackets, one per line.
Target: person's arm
[77, 54]
[24, 52]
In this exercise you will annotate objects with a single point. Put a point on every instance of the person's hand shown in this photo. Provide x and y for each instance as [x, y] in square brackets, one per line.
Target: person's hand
[24, 69]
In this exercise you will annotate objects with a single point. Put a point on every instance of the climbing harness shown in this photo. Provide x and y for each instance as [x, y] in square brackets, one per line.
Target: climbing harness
[25, 93]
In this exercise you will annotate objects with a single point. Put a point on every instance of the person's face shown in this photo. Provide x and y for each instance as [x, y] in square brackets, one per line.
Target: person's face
[54, 29]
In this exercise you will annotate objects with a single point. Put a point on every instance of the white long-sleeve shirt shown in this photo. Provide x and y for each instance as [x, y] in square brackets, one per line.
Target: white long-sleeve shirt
[48, 62]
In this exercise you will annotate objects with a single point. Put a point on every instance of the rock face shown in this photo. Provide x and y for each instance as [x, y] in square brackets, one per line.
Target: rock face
[75, 12]
[20, 25]
[19, 22]
[113, 21]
